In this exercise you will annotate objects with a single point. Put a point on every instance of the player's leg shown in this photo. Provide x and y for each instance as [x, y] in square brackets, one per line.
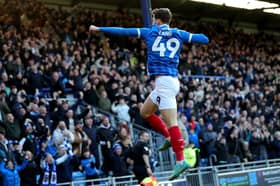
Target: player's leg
[148, 113]
[168, 110]
[176, 140]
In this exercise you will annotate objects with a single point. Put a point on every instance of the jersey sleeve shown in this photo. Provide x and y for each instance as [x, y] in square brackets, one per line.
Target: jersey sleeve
[143, 33]
[193, 38]
[134, 32]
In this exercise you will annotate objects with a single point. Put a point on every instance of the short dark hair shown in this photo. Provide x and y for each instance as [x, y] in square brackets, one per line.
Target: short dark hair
[164, 14]
[142, 133]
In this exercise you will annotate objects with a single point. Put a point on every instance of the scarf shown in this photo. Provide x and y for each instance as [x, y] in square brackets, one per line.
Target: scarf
[47, 180]
[67, 145]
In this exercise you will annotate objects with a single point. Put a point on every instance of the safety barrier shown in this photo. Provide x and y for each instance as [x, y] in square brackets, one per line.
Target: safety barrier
[205, 176]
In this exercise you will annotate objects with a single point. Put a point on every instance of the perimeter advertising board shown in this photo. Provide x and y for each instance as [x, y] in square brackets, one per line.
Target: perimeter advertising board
[255, 177]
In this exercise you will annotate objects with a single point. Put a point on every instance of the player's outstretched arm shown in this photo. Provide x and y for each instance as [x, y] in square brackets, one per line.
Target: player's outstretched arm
[199, 38]
[194, 38]
[117, 30]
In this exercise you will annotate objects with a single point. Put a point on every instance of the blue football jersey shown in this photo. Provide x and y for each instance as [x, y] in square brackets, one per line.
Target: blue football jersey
[163, 44]
[163, 47]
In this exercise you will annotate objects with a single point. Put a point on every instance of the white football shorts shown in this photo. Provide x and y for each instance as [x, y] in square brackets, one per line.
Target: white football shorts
[164, 94]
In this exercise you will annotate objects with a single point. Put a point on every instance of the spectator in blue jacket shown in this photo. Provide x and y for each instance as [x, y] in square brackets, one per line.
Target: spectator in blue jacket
[88, 166]
[10, 172]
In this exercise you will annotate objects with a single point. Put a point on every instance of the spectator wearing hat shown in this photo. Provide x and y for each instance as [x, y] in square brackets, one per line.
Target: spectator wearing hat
[65, 168]
[81, 139]
[119, 163]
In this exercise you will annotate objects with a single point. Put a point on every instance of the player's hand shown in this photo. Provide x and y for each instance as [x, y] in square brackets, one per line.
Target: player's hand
[93, 28]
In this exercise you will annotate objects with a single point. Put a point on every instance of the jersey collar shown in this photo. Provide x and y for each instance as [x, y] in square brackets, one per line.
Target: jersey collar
[164, 26]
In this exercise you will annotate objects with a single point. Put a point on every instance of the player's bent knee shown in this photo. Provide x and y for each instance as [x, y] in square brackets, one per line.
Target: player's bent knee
[144, 114]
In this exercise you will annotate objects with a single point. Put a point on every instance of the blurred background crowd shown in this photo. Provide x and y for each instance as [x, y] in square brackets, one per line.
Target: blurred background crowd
[231, 107]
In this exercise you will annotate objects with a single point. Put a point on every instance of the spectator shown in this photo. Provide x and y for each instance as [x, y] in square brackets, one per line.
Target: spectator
[39, 54]
[121, 109]
[70, 120]
[45, 115]
[124, 140]
[55, 82]
[65, 168]
[106, 136]
[234, 146]
[62, 136]
[81, 140]
[12, 127]
[255, 145]
[10, 172]
[104, 102]
[75, 80]
[90, 95]
[36, 78]
[90, 129]
[119, 163]
[209, 139]
[28, 175]
[88, 163]
[222, 150]
[49, 176]
[29, 141]
[276, 144]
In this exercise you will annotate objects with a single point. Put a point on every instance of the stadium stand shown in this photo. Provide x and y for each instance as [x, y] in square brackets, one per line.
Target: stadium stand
[59, 84]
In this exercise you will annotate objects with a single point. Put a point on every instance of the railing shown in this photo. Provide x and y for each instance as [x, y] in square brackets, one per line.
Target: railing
[201, 176]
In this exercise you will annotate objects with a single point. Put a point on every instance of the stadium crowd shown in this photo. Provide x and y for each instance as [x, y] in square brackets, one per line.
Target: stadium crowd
[231, 109]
